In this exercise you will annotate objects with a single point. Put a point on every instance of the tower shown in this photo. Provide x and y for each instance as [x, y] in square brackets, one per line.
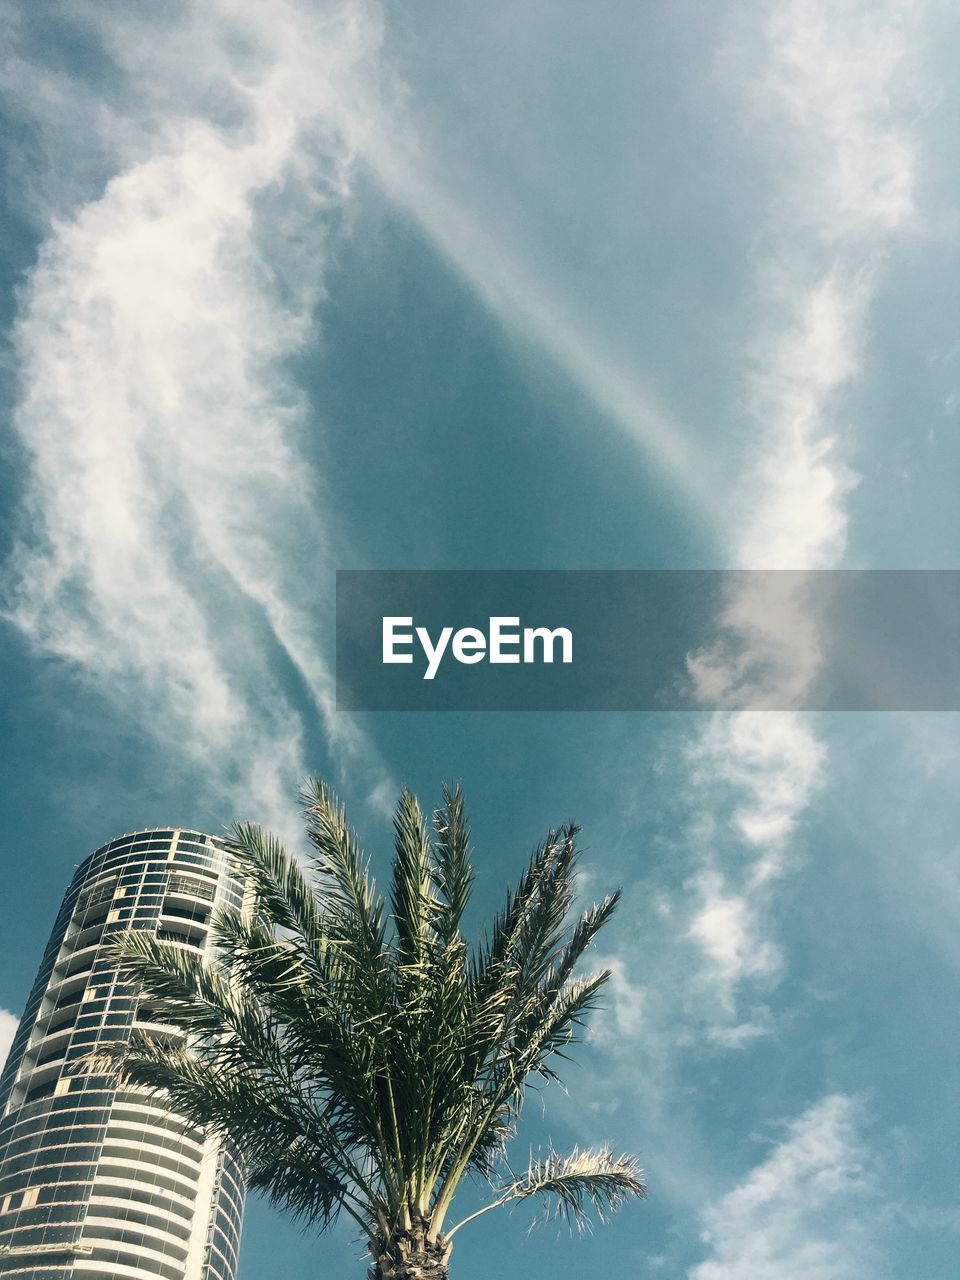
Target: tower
[99, 1182]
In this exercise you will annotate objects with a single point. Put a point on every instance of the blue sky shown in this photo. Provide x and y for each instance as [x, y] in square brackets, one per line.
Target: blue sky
[309, 286]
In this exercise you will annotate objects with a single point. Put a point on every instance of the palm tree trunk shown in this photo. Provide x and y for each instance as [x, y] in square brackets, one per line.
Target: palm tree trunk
[410, 1255]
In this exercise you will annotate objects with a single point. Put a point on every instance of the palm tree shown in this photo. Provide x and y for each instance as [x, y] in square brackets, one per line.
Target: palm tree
[366, 1061]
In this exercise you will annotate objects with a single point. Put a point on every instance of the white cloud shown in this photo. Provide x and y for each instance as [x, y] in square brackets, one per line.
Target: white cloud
[761, 769]
[725, 927]
[742, 1034]
[832, 79]
[768, 647]
[751, 776]
[838, 72]
[621, 1015]
[168, 504]
[768, 766]
[8, 1029]
[797, 518]
[803, 1212]
[712, 950]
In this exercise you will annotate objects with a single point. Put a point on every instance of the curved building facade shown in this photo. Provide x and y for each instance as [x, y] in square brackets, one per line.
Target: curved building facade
[96, 1181]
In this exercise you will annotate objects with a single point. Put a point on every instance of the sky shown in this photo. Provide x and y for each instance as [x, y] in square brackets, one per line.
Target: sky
[312, 285]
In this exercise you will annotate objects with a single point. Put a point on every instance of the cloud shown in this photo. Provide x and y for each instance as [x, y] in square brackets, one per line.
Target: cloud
[168, 505]
[621, 1016]
[838, 73]
[766, 768]
[8, 1029]
[832, 79]
[742, 1034]
[797, 518]
[749, 779]
[803, 1212]
[725, 928]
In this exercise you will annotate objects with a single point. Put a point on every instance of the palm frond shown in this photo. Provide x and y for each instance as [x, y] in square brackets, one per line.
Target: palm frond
[572, 1185]
[580, 1180]
[346, 888]
[275, 1131]
[274, 879]
[412, 898]
[582, 935]
[453, 875]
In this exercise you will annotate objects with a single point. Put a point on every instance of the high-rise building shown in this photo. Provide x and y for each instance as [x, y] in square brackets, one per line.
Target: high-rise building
[99, 1182]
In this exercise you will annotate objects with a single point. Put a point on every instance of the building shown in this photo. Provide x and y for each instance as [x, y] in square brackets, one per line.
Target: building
[96, 1182]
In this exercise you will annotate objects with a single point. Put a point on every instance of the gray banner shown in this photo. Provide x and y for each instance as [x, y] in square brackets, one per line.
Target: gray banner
[648, 640]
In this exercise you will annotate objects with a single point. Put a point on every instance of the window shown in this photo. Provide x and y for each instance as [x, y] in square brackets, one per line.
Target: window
[74, 997]
[97, 893]
[40, 1091]
[200, 914]
[20, 1200]
[181, 936]
[192, 885]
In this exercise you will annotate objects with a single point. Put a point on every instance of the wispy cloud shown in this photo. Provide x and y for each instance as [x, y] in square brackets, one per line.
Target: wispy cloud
[8, 1029]
[754, 773]
[697, 979]
[169, 520]
[833, 81]
[840, 74]
[801, 1213]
